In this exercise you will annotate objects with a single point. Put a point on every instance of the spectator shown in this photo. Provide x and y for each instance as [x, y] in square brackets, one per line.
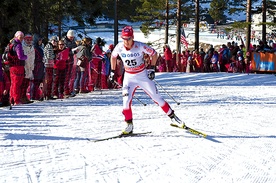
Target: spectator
[106, 69]
[215, 66]
[17, 63]
[207, 62]
[247, 62]
[29, 67]
[111, 47]
[62, 55]
[4, 87]
[168, 57]
[174, 66]
[39, 69]
[49, 57]
[97, 56]
[119, 72]
[183, 61]
[224, 56]
[189, 62]
[161, 64]
[70, 43]
[197, 61]
[83, 57]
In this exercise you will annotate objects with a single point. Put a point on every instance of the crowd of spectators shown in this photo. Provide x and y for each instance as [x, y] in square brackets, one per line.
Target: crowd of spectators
[230, 57]
[32, 71]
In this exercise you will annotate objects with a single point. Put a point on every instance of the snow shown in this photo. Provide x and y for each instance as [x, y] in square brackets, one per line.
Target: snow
[46, 142]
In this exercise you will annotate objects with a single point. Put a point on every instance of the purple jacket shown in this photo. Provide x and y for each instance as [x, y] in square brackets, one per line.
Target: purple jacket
[19, 50]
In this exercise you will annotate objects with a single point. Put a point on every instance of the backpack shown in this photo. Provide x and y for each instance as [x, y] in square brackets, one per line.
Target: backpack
[9, 53]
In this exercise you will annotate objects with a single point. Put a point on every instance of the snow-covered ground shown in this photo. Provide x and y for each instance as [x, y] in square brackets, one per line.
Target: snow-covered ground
[46, 142]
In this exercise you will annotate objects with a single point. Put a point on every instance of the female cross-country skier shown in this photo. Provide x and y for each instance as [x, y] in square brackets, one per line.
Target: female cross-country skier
[136, 75]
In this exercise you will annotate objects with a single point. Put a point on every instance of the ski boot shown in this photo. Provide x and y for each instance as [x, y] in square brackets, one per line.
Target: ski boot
[129, 128]
[176, 120]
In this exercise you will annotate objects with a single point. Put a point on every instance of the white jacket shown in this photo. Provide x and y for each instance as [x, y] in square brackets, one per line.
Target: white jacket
[29, 63]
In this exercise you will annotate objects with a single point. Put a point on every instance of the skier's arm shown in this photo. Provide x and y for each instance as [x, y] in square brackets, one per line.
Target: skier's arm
[113, 63]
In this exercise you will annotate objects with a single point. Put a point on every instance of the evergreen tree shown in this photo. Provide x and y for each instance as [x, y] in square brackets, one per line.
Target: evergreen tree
[150, 12]
[217, 8]
[35, 16]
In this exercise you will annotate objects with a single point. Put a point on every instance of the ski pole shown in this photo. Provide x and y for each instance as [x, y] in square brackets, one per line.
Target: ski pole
[133, 95]
[178, 103]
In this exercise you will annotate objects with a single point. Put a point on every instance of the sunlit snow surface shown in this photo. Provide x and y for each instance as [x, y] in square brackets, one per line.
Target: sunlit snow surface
[46, 142]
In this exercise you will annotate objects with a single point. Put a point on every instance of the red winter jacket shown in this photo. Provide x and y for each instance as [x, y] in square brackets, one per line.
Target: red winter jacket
[61, 58]
[168, 54]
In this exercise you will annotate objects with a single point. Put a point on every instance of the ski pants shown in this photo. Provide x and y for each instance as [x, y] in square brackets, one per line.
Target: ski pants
[131, 83]
[17, 75]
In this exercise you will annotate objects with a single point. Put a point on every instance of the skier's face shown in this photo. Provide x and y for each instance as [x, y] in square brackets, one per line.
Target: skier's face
[128, 42]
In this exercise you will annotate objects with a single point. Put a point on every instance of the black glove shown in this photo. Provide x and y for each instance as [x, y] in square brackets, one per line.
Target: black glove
[111, 76]
[151, 73]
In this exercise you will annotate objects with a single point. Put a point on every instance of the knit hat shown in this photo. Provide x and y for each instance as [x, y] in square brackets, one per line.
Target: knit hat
[19, 33]
[28, 36]
[70, 33]
[111, 47]
[54, 38]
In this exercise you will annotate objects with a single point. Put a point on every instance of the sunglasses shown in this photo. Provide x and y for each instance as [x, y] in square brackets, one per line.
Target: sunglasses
[60, 44]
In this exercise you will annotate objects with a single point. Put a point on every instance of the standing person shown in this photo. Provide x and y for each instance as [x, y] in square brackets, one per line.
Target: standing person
[183, 61]
[70, 43]
[5, 85]
[39, 70]
[136, 75]
[119, 72]
[17, 63]
[247, 62]
[83, 57]
[97, 56]
[49, 57]
[29, 67]
[105, 69]
[168, 57]
[189, 62]
[197, 61]
[62, 55]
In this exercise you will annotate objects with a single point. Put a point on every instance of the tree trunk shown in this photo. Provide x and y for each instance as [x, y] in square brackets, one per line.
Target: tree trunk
[248, 20]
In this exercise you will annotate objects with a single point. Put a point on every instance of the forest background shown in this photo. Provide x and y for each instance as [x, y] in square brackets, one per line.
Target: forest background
[38, 16]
